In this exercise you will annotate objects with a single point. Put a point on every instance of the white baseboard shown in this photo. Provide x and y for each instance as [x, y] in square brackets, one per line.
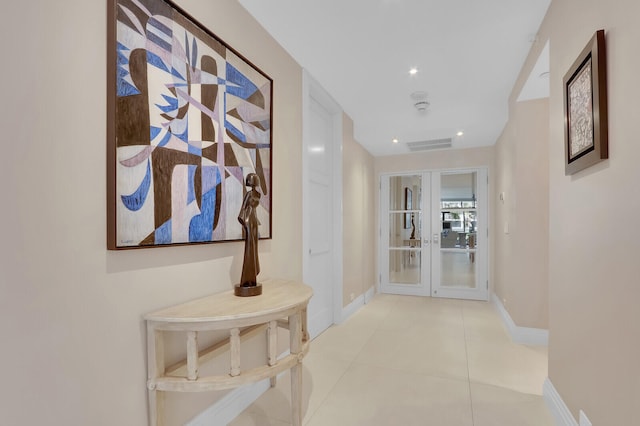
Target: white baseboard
[231, 405]
[558, 408]
[584, 420]
[357, 303]
[522, 335]
[368, 295]
[352, 308]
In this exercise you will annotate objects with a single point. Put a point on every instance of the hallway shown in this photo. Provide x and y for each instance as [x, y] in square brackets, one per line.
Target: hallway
[408, 361]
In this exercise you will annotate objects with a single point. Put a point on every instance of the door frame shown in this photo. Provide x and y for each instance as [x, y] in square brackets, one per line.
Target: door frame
[311, 89]
[384, 249]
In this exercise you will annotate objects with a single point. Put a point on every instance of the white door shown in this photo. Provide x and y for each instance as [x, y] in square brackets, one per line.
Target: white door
[460, 233]
[405, 227]
[322, 263]
[433, 234]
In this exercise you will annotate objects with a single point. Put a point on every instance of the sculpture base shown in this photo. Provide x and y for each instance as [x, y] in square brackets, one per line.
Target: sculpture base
[247, 291]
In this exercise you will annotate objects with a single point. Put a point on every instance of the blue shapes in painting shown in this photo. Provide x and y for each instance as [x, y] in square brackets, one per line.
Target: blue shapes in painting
[172, 104]
[191, 193]
[158, 33]
[155, 24]
[210, 178]
[165, 140]
[163, 233]
[194, 54]
[235, 131]
[191, 54]
[176, 73]
[242, 87]
[135, 201]
[156, 61]
[153, 132]
[201, 226]
[195, 150]
[184, 136]
[124, 87]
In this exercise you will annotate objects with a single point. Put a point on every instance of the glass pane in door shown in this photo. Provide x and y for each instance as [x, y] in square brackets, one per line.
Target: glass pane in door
[405, 250]
[458, 236]
[405, 263]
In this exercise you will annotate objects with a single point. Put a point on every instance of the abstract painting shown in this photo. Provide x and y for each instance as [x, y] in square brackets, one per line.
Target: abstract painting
[188, 119]
[585, 104]
[580, 112]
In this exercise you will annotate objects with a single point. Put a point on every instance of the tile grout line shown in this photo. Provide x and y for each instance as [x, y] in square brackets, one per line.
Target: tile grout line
[351, 363]
[321, 403]
[466, 352]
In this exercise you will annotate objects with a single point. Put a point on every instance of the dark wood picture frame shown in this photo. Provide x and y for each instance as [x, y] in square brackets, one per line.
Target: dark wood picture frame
[188, 118]
[585, 107]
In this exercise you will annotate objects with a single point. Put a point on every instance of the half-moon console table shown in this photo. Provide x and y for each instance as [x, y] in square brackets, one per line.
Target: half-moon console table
[282, 304]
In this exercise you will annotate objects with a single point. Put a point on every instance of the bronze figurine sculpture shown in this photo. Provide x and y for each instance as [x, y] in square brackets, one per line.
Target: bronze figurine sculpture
[413, 229]
[248, 217]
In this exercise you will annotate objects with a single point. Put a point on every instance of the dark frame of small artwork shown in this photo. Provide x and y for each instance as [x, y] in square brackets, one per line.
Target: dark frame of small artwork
[585, 107]
[188, 118]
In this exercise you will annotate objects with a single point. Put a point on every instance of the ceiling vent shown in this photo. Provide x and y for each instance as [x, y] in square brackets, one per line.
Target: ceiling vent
[429, 145]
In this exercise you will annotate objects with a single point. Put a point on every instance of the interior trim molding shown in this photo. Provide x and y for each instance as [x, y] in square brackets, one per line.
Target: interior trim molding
[231, 405]
[558, 408]
[368, 295]
[357, 303]
[522, 335]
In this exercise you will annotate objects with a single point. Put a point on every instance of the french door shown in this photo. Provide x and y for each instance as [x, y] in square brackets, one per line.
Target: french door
[433, 233]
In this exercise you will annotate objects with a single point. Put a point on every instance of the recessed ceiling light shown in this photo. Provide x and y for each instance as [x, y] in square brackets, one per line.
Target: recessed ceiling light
[413, 71]
[394, 140]
[460, 133]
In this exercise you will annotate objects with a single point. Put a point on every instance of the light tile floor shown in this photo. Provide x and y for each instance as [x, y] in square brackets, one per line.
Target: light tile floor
[405, 360]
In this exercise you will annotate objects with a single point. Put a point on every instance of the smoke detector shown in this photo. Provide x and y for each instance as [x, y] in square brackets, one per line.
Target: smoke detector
[420, 101]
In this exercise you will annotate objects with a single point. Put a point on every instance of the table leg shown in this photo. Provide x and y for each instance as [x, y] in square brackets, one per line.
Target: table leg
[155, 369]
[272, 343]
[305, 329]
[235, 352]
[295, 333]
[192, 355]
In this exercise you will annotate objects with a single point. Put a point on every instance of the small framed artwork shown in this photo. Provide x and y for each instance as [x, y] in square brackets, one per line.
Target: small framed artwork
[408, 205]
[188, 119]
[585, 107]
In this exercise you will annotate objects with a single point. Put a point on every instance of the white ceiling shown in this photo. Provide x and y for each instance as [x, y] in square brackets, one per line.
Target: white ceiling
[468, 54]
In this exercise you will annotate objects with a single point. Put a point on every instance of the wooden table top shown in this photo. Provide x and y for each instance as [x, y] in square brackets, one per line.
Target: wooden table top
[277, 295]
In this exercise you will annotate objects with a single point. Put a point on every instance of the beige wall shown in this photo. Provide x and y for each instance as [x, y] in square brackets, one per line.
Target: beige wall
[522, 216]
[358, 216]
[594, 318]
[73, 342]
[436, 160]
